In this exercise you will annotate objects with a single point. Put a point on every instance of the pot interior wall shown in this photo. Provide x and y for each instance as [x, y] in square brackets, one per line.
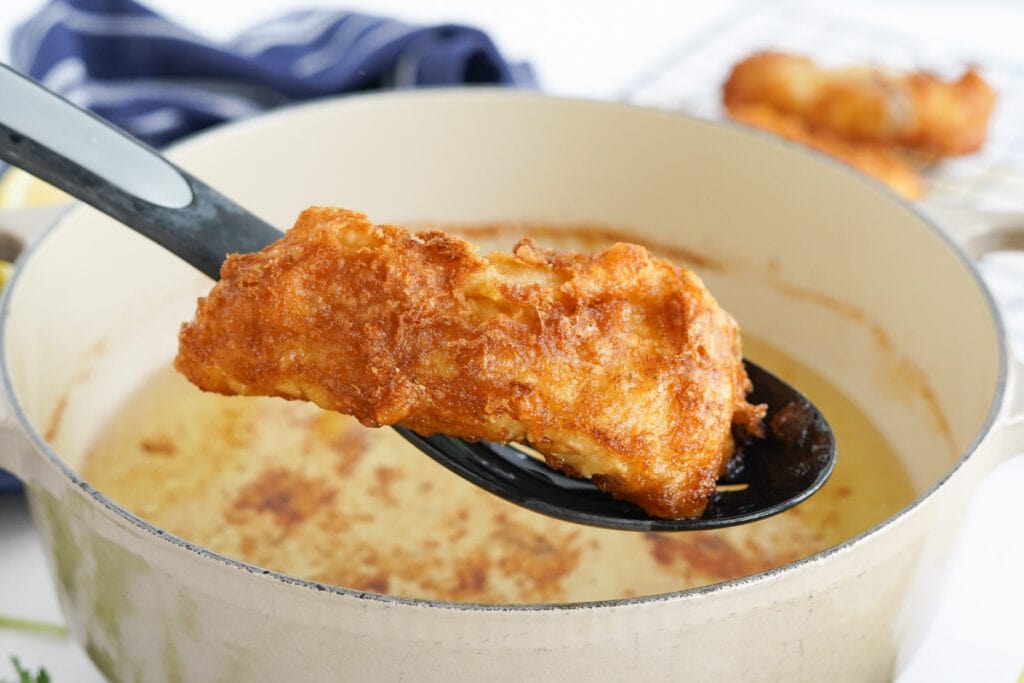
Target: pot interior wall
[809, 258]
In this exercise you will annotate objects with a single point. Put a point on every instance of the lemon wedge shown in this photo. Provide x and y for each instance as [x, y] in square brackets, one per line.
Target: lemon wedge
[19, 190]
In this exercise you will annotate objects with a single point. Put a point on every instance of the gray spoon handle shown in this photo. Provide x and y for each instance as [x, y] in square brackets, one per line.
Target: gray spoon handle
[51, 138]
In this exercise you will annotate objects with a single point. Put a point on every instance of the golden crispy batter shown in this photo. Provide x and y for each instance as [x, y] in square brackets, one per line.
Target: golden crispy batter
[912, 110]
[617, 365]
[877, 160]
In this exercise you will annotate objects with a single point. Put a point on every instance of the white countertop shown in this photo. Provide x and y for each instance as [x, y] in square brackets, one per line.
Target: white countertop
[596, 49]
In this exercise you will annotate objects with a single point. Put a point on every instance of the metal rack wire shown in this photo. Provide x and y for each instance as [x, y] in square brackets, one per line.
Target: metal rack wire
[690, 80]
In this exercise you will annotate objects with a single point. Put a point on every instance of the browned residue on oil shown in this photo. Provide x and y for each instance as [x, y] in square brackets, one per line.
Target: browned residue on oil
[349, 447]
[512, 562]
[536, 562]
[159, 444]
[471, 575]
[287, 495]
[456, 524]
[363, 574]
[344, 438]
[382, 489]
[375, 583]
[707, 554]
[714, 555]
[235, 429]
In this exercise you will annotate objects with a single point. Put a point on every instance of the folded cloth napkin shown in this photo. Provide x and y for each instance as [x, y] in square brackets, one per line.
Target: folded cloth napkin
[160, 81]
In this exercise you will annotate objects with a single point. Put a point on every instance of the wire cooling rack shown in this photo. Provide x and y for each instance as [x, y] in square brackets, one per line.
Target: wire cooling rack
[690, 80]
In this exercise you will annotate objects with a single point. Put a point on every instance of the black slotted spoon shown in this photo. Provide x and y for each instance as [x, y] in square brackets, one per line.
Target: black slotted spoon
[76, 151]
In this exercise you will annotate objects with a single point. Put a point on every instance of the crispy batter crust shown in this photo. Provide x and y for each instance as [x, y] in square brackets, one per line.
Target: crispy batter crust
[617, 365]
[916, 110]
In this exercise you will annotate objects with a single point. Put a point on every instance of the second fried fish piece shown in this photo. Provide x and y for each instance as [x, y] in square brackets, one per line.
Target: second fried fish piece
[912, 110]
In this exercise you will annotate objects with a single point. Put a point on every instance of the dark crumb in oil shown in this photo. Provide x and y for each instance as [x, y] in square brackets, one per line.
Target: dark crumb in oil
[791, 423]
[158, 444]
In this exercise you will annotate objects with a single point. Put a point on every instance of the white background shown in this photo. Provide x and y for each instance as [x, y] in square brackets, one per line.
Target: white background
[593, 49]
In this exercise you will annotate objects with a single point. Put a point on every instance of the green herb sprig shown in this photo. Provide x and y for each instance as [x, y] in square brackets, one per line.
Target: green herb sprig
[26, 676]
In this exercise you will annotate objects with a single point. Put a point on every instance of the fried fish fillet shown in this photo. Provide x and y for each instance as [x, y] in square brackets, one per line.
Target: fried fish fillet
[918, 110]
[875, 159]
[617, 366]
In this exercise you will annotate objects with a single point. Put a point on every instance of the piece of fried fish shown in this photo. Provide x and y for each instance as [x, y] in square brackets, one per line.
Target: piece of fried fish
[617, 365]
[911, 110]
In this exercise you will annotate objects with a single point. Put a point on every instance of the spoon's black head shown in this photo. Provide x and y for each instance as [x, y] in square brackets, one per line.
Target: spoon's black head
[793, 460]
[765, 477]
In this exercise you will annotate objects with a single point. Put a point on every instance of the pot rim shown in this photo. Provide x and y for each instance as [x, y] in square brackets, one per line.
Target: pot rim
[469, 94]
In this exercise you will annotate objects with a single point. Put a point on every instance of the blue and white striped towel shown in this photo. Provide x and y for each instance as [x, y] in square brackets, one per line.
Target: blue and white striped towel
[160, 81]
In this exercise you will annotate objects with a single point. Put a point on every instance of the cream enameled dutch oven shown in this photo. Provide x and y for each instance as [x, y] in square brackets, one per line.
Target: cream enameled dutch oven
[810, 258]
